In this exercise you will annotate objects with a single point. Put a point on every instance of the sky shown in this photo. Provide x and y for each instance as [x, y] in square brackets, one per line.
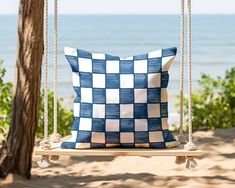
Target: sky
[129, 6]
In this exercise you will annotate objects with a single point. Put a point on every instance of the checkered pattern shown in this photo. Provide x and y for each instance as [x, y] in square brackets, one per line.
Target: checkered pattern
[120, 102]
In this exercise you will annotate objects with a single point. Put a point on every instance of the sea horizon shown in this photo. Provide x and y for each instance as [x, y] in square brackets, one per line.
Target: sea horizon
[127, 35]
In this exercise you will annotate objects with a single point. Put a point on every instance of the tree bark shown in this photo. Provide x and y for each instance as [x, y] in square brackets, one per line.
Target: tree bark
[16, 153]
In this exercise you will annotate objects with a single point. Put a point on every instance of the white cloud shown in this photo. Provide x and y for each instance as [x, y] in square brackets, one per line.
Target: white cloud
[129, 6]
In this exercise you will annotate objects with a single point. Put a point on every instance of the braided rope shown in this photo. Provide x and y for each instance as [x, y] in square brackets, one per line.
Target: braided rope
[181, 138]
[46, 70]
[182, 68]
[55, 137]
[55, 62]
[190, 145]
[190, 71]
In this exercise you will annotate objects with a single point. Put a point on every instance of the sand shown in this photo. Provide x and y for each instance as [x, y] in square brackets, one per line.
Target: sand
[215, 169]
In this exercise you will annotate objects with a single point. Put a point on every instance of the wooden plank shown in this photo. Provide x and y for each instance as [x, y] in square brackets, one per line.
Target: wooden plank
[56, 150]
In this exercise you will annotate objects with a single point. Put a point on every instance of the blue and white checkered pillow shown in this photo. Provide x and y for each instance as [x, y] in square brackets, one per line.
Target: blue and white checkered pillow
[120, 102]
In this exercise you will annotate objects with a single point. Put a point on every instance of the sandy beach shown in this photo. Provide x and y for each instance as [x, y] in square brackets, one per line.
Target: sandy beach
[216, 168]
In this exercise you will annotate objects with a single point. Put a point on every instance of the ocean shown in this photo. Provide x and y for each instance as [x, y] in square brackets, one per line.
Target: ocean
[126, 35]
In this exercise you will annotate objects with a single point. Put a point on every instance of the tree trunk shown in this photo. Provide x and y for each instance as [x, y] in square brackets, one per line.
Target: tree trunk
[16, 153]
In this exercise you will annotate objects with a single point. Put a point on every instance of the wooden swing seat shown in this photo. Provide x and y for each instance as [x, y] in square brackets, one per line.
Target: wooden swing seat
[56, 150]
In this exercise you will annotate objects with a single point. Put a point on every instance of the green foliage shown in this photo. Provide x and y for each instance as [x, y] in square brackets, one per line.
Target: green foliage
[65, 116]
[5, 102]
[213, 105]
[64, 119]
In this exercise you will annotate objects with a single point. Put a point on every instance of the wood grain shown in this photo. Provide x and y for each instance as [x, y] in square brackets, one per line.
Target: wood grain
[56, 150]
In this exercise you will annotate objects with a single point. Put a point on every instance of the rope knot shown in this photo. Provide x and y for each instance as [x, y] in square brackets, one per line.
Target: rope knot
[190, 146]
[45, 145]
[55, 138]
[44, 162]
[191, 163]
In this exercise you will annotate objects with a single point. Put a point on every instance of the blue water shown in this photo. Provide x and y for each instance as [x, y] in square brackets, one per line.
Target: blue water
[213, 42]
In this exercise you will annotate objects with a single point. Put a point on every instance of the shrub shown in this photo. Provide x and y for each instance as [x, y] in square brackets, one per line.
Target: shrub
[64, 119]
[5, 102]
[213, 105]
[65, 116]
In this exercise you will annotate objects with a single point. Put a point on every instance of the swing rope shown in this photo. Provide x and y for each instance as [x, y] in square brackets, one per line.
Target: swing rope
[55, 137]
[190, 145]
[181, 138]
[45, 143]
[46, 70]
